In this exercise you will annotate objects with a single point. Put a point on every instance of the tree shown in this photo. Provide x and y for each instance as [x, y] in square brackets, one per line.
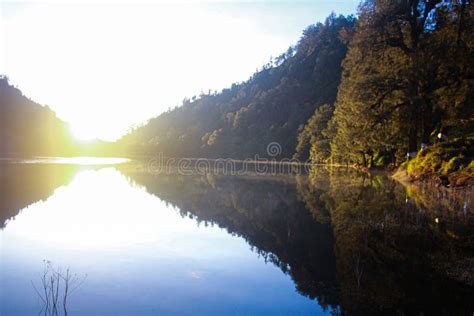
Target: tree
[389, 97]
[313, 141]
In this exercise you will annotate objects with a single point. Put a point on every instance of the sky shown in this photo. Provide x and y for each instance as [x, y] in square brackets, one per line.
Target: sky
[105, 66]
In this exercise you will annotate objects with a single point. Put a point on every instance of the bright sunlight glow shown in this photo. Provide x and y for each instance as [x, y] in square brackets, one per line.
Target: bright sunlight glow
[105, 66]
[103, 219]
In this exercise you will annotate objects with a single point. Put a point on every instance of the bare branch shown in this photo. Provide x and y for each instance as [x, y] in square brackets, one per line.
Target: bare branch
[56, 285]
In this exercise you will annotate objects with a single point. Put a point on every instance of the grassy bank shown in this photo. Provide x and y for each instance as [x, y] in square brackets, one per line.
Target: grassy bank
[448, 163]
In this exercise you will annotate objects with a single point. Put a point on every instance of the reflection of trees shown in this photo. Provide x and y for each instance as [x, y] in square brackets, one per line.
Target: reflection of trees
[267, 213]
[24, 184]
[315, 196]
[391, 256]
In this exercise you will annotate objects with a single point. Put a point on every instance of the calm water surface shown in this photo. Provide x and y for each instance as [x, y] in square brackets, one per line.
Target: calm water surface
[154, 244]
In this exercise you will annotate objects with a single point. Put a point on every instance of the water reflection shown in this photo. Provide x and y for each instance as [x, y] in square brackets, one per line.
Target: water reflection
[360, 244]
[26, 181]
[264, 211]
[349, 243]
[24, 184]
[395, 252]
[140, 255]
[70, 220]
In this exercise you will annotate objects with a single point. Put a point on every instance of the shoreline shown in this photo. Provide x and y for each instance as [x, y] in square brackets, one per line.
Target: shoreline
[402, 176]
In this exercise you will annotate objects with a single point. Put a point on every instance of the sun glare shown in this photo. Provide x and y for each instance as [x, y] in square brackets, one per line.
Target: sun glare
[134, 69]
[83, 134]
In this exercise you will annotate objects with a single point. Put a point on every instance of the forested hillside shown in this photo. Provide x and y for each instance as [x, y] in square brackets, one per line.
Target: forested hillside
[408, 76]
[240, 121]
[28, 128]
[364, 92]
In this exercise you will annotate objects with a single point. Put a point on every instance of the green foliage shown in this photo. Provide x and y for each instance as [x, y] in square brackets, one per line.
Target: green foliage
[406, 77]
[453, 159]
[313, 137]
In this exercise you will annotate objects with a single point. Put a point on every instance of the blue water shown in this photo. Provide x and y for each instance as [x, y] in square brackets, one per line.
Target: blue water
[136, 255]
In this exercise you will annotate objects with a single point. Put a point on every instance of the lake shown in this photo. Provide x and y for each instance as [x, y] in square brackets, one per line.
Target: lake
[163, 243]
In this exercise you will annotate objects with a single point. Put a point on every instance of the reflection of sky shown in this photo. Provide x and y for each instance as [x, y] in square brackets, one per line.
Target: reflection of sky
[140, 255]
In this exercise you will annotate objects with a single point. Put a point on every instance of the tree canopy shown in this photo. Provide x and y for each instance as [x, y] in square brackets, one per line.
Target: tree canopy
[407, 75]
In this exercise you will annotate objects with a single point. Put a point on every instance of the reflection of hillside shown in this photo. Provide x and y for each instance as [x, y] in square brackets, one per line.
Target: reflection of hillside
[265, 212]
[24, 184]
[394, 256]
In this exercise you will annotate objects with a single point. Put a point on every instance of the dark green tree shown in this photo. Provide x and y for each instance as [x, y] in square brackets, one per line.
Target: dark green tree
[314, 140]
[397, 74]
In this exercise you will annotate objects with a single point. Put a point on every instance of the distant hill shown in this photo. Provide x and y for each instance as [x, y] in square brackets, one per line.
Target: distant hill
[28, 128]
[239, 122]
